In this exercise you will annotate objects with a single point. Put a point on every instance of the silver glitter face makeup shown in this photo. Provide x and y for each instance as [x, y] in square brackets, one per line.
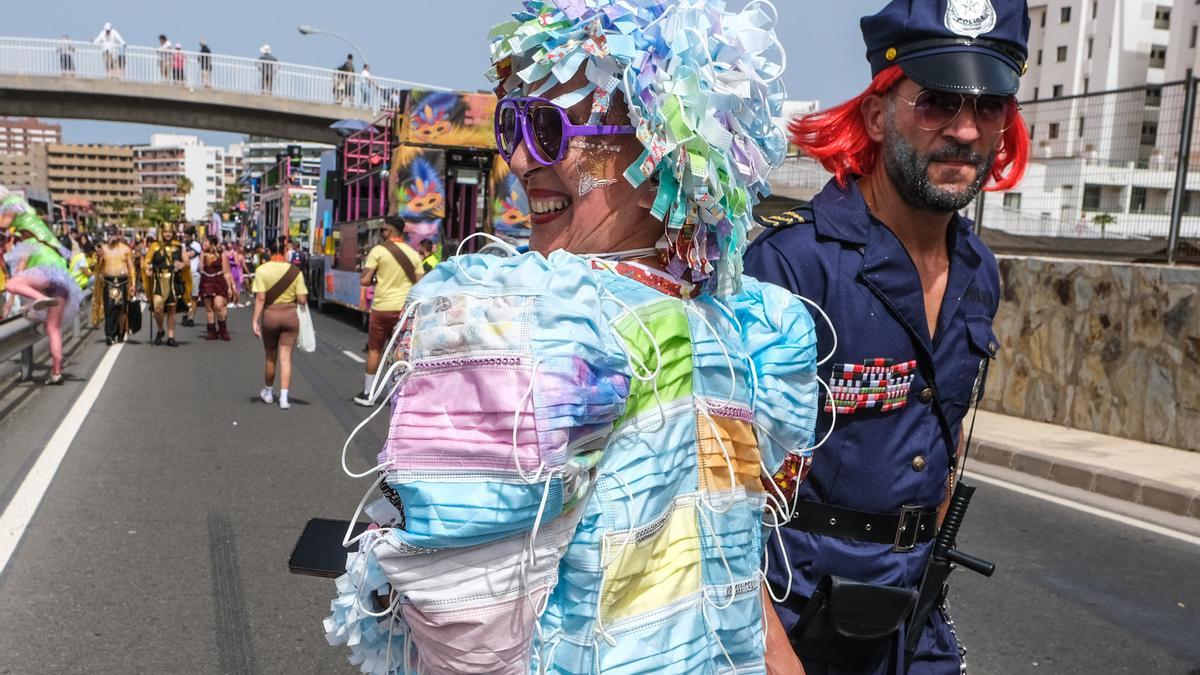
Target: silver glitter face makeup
[592, 164]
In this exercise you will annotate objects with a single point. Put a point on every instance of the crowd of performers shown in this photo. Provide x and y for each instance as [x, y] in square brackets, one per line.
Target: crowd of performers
[168, 273]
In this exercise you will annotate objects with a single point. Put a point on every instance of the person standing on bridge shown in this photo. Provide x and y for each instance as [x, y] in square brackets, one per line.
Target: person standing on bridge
[392, 267]
[111, 47]
[164, 58]
[911, 292]
[204, 60]
[278, 289]
[266, 67]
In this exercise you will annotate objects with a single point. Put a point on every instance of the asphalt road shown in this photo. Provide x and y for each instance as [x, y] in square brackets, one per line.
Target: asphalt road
[161, 545]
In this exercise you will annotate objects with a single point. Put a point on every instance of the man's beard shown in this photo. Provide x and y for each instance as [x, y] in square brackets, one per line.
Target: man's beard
[909, 172]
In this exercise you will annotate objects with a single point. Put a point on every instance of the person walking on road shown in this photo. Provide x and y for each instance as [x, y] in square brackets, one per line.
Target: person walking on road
[192, 250]
[278, 289]
[266, 67]
[392, 267]
[168, 283]
[115, 286]
[216, 282]
[204, 60]
[911, 293]
[111, 47]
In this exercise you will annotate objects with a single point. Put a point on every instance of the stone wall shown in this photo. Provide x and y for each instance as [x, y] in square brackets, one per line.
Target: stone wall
[1106, 347]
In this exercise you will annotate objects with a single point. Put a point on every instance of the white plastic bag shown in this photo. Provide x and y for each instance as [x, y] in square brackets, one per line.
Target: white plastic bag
[307, 341]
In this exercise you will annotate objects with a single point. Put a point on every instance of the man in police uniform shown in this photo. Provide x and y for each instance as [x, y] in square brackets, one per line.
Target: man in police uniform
[911, 293]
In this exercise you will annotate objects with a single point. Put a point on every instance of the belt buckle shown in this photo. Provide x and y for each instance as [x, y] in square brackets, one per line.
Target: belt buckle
[907, 529]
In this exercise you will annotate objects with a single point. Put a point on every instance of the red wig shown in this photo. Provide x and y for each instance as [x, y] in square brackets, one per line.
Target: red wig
[837, 138]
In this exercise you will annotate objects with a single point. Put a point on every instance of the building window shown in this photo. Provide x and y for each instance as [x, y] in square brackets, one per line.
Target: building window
[1035, 93]
[1057, 91]
[1153, 97]
[1043, 19]
[1158, 56]
[1064, 15]
[1012, 200]
[1053, 130]
[1061, 54]
[1096, 8]
[1039, 57]
[1032, 130]
[1081, 127]
[1137, 200]
[1192, 38]
[1090, 42]
[1162, 18]
[1086, 82]
[1149, 133]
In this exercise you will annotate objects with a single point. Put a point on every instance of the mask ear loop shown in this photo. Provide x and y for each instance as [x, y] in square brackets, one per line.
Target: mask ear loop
[787, 565]
[395, 595]
[634, 359]
[516, 427]
[512, 250]
[606, 560]
[388, 351]
[724, 350]
[716, 635]
[702, 407]
[753, 74]
[705, 522]
[828, 321]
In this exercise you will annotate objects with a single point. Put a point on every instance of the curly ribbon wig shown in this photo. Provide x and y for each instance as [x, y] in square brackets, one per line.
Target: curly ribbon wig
[702, 85]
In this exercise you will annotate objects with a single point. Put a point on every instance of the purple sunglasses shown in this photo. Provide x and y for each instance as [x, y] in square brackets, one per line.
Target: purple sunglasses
[544, 126]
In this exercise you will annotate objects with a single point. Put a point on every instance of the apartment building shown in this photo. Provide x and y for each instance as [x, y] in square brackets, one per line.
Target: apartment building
[96, 173]
[169, 158]
[260, 154]
[18, 134]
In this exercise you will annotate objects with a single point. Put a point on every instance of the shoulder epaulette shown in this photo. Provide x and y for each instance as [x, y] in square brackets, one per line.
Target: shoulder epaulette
[797, 215]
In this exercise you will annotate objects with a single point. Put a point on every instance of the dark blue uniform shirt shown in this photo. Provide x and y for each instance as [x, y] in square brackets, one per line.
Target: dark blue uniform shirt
[888, 453]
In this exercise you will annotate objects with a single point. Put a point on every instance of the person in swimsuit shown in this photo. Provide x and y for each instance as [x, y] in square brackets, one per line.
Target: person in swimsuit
[215, 284]
[115, 287]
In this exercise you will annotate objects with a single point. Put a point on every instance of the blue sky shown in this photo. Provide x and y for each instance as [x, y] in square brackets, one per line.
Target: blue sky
[437, 41]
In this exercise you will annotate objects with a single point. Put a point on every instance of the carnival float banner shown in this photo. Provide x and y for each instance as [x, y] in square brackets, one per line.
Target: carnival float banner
[415, 184]
[448, 119]
[510, 207]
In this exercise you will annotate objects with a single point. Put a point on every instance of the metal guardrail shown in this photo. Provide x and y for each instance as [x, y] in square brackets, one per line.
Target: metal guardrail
[217, 72]
[19, 335]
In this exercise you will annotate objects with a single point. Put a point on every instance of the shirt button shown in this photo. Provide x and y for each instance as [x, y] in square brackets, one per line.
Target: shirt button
[926, 395]
[918, 463]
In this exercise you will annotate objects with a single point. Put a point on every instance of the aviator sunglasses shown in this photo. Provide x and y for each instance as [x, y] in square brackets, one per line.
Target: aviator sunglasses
[934, 110]
[543, 126]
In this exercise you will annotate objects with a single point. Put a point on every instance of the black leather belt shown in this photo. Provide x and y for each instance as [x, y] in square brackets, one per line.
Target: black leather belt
[902, 530]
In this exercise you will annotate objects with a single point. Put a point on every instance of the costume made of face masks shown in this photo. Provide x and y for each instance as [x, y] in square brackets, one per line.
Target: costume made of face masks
[577, 461]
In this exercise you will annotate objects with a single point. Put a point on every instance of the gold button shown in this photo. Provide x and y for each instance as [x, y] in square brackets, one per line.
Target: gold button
[918, 463]
[1024, 68]
[890, 54]
[926, 395]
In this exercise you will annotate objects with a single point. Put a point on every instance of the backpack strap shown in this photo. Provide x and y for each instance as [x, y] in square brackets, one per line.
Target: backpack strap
[402, 259]
[284, 283]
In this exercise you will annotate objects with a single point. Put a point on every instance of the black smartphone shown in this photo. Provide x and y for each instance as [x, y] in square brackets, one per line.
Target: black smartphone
[319, 551]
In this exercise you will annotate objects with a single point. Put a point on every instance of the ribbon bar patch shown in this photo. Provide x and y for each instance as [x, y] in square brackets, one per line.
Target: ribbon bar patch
[875, 383]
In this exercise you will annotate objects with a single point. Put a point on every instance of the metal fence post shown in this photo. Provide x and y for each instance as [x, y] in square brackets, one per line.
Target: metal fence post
[1181, 167]
[979, 213]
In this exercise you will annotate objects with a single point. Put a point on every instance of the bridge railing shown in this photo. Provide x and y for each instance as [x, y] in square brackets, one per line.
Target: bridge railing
[195, 71]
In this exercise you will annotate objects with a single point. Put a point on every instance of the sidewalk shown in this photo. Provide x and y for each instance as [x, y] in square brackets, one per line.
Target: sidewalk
[1152, 475]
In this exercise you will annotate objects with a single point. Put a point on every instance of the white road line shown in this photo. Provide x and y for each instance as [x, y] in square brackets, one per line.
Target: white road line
[24, 504]
[1101, 513]
[353, 356]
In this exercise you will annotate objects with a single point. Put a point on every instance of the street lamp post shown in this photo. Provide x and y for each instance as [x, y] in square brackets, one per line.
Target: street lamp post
[309, 30]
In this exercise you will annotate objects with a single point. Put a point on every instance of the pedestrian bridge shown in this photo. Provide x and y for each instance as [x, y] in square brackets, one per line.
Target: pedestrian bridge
[79, 80]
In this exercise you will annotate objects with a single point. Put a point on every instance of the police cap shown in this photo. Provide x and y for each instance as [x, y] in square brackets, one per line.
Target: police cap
[968, 46]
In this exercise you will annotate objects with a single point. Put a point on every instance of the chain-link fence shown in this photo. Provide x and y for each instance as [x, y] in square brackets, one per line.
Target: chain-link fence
[1105, 178]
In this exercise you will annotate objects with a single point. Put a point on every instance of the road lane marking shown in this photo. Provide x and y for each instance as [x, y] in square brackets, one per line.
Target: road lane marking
[1101, 513]
[353, 356]
[24, 504]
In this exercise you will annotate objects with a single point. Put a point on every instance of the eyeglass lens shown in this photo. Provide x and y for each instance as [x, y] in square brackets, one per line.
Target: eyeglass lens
[936, 109]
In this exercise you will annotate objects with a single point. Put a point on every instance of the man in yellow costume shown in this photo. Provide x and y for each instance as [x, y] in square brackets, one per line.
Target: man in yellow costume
[165, 281]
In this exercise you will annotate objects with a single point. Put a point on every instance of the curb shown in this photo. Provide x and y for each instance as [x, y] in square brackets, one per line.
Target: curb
[1100, 480]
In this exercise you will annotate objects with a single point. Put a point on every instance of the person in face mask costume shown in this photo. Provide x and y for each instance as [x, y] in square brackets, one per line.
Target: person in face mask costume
[578, 471]
[911, 292]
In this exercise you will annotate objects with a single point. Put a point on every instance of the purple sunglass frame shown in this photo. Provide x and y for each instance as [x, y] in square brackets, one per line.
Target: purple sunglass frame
[524, 129]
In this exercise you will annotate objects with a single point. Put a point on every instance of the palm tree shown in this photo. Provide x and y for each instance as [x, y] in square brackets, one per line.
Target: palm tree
[183, 186]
